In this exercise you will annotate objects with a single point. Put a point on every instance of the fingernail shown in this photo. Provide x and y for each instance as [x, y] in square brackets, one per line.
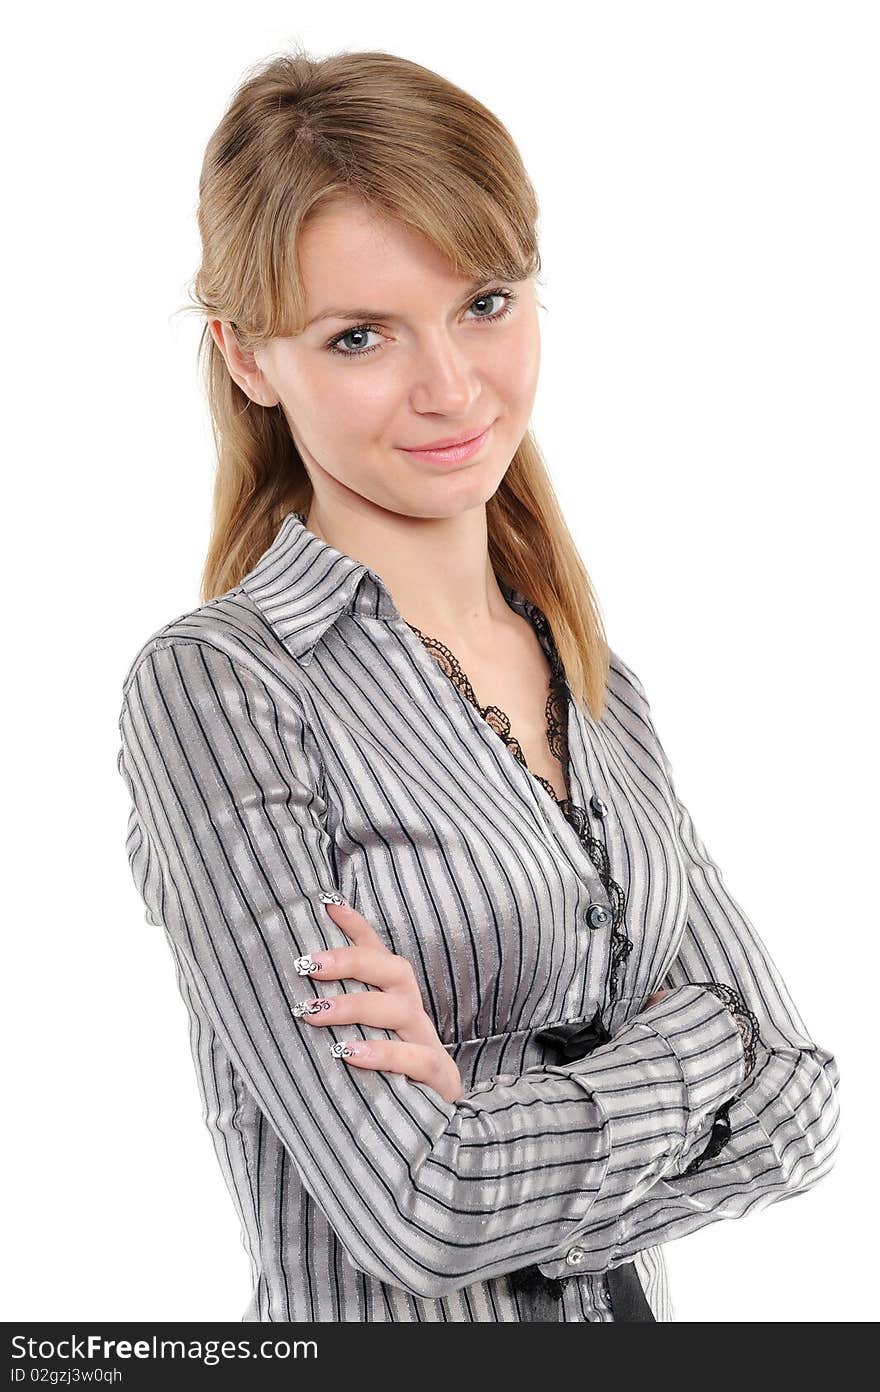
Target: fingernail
[309, 963]
[350, 1047]
[313, 1007]
[332, 896]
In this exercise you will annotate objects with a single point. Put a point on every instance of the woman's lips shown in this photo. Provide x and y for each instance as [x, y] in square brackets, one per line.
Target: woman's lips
[453, 453]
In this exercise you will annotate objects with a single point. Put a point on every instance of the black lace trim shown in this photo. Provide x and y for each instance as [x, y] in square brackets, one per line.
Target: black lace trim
[556, 712]
[495, 716]
[558, 704]
[746, 1020]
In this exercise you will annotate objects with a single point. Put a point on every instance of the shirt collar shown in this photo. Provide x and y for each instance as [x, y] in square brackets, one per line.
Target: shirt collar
[302, 585]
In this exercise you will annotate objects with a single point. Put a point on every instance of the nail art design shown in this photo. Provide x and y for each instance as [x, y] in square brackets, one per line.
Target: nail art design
[342, 1051]
[332, 896]
[305, 965]
[313, 1007]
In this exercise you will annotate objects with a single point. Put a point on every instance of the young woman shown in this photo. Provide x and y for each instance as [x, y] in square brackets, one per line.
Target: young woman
[478, 1024]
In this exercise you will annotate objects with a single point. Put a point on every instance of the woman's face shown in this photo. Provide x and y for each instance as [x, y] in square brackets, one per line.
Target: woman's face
[432, 365]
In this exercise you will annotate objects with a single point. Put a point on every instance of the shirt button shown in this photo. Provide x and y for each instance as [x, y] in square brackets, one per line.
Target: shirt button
[598, 806]
[575, 1256]
[598, 916]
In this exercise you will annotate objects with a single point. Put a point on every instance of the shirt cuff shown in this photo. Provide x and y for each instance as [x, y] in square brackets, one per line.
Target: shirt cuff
[660, 1082]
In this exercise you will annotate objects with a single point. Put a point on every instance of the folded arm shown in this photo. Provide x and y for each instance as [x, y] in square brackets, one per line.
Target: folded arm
[229, 850]
[777, 1131]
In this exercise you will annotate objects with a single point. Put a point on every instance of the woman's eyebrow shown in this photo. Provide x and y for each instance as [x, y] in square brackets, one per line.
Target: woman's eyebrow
[372, 313]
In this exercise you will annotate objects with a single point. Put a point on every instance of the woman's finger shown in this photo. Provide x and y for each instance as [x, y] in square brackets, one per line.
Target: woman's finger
[417, 1061]
[354, 925]
[381, 1009]
[655, 997]
[374, 965]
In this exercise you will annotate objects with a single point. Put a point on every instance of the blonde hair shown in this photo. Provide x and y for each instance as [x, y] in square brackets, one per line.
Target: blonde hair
[298, 133]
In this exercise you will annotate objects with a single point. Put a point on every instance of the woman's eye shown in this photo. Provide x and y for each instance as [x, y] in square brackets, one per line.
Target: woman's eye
[360, 332]
[490, 295]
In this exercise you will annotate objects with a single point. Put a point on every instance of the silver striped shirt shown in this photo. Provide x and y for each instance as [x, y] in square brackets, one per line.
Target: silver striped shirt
[294, 737]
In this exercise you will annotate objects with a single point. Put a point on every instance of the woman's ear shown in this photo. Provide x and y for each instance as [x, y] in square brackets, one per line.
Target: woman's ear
[243, 367]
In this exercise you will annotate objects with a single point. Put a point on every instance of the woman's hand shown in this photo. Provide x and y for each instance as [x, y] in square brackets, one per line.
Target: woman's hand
[655, 997]
[396, 1006]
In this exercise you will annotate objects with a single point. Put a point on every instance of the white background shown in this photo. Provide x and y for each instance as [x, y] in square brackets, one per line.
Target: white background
[707, 174]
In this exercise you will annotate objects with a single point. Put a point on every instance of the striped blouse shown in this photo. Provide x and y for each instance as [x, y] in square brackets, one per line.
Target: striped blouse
[296, 738]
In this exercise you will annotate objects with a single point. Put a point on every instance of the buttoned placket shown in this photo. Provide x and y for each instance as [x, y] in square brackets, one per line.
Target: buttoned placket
[547, 817]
